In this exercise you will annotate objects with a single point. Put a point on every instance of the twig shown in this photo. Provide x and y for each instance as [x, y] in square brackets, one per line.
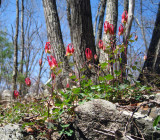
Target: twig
[139, 130]
[107, 134]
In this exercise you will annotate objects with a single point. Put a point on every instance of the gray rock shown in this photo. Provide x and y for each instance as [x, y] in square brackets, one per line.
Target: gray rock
[145, 97]
[100, 120]
[157, 97]
[6, 97]
[11, 132]
[152, 97]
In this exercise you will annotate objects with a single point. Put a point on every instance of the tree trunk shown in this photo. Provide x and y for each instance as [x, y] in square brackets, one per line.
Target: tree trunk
[151, 68]
[54, 33]
[96, 17]
[126, 35]
[142, 28]
[111, 17]
[100, 25]
[126, 5]
[82, 33]
[22, 42]
[15, 68]
[41, 66]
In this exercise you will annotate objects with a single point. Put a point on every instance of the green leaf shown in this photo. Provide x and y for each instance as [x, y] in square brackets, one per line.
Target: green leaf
[103, 65]
[157, 119]
[76, 90]
[123, 86]
[83, 76]
[73, 77]
[65, 125]
[27, 124]
[109, 77]
[69, 133]
[131, 40]
[101, 78]
[118, 73]
[134, 67]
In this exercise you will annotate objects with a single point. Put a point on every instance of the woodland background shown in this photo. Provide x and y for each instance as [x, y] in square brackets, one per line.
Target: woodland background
[26, 25]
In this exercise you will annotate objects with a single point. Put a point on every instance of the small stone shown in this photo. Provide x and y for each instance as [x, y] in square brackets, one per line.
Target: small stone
[151, 97]
[145, 97]
[157, 97]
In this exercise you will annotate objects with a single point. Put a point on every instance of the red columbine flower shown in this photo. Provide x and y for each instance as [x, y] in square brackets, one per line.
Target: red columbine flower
[69, 51]
[124, 17]
[88, 53]
[16, 93]
[52, 62]
[121, 30]
[106, 27]
[40, 62]
[111, 29]
[100, 44]
[48, 47]
[28, 81]
[136, 37]
[67, 86]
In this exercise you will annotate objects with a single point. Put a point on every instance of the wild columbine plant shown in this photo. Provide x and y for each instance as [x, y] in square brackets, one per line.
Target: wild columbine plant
[48, 47]
[52, 62]
[121, 30]
[124, 17]
[16, 94]
[28, 81]
[108, 28]
[52, 76]
[69, 51]
[40, 62]
[88, 54]
[108, 86]
[100, 44]
[136, 38]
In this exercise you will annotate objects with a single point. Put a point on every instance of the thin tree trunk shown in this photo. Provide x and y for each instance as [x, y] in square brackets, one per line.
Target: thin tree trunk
[54, 33]
[98, 12]
[126, 35]
[100, 25]
[151, 67]
[82, 33]
[142, 28]
[69, 18]
[41, 66]
[126, 5]
[22, 42]
[111, 17]
[15, 68]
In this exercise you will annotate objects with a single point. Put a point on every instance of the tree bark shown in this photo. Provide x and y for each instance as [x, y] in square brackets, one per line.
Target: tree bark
[15, 68]
[126, 35]
[100, 25]
[142, 28]
[82, 33]
[126, 5]
[54, 33]
[111, 17]
[96, 17]
[22, 42]
[151, 67]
